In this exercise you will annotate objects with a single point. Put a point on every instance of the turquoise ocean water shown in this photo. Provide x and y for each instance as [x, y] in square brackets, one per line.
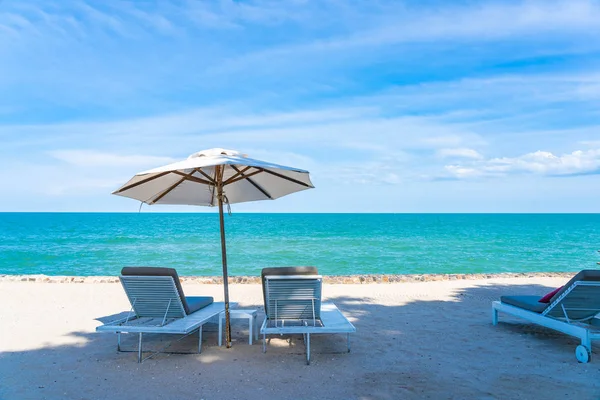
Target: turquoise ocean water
[338, 244]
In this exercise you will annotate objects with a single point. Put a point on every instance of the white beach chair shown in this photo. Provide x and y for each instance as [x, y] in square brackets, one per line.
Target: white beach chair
[572, 310]
[159, 306]
[293, 305]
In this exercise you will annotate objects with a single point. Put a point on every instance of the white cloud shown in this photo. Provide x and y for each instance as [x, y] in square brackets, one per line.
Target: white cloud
[79, 186]
[329, 130]
[591, 143]
[360, 174]
[92, 159]
[539, 163]
[459, 153]
[42, 180]
[460, 172]
[473, 98]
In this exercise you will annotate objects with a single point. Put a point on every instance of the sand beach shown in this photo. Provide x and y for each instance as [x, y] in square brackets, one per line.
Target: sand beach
[420, 339]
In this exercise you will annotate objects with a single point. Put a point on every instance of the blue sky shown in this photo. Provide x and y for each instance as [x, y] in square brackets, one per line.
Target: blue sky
[414, 106]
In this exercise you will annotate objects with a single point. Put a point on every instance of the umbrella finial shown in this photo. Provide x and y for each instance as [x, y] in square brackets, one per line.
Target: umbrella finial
[217, 152]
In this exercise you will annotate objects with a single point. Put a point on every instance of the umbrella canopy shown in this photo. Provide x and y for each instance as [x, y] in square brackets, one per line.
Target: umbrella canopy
[194, 180]
[212, 178]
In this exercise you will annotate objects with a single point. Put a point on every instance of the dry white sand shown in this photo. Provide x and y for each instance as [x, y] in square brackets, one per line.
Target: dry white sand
[426, 340]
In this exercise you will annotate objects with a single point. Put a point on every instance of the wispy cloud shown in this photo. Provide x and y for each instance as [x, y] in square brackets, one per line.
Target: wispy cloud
[539, 163]
[492, 21]
[273, 57]
[93, 159]
[591, 143]
[459, 153]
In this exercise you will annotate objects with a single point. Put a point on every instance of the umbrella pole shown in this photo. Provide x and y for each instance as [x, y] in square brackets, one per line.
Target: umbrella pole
[224, 258]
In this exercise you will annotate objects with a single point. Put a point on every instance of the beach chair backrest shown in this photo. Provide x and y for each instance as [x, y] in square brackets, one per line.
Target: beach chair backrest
[294, 297]
[578, 302]
[153, 296]
[297, 270]
[159, 271]
[587, 275]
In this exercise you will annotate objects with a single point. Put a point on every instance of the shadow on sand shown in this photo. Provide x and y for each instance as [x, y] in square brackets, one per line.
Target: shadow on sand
[421, 349]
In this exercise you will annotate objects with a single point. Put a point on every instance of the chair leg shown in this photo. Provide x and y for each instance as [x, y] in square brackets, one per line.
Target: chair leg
[255, 328]
[250, 329]
[308, 349]
[264, 342]
[200, 339]
[494, 316]
[587, 342]
[140, 349]
[348, 342]
[220, 331]
[118, 341]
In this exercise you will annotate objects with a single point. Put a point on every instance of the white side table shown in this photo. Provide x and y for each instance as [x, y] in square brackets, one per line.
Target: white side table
[250, 315]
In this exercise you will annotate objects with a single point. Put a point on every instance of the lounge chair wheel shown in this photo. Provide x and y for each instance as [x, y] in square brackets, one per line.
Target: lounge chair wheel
[583, 354]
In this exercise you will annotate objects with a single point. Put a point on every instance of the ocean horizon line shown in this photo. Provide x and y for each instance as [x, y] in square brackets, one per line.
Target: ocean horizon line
[212, 210]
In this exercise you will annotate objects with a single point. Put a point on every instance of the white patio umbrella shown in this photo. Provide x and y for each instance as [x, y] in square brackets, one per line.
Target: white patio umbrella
[212, 178]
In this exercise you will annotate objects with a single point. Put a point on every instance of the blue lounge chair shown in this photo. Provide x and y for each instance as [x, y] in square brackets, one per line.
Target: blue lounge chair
[572, 310]
[292, 297]
[158, 305]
